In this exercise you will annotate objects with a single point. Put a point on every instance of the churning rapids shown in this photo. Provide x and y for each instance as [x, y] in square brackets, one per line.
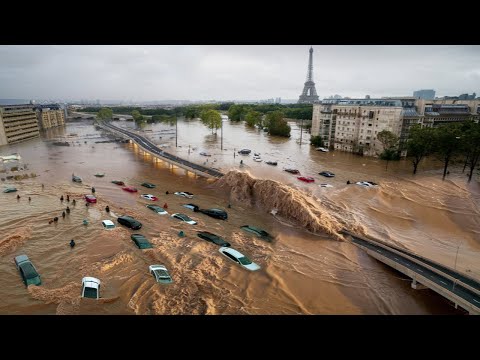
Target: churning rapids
[309, 268]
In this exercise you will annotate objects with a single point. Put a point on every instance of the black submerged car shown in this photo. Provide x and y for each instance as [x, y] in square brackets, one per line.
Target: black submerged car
[149, 185]
[205, 235]
[326, 174]
[28, 272]
[129, 222]
[216, 213]
[141, 241]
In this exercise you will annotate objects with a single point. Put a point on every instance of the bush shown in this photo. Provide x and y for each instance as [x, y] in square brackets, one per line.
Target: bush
[316, 141]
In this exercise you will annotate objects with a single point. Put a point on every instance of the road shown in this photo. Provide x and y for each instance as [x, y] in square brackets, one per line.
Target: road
[148, 145]
[440, 280]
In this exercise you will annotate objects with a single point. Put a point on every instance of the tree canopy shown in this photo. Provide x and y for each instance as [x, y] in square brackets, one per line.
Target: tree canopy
[212, 119]
[253, 118]
[105, 113]
[419, 144]
[276, 124]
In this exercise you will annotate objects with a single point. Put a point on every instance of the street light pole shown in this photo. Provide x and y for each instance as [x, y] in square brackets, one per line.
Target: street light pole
[301, 132]
[176, 131]
[221, 130]
[455, 267]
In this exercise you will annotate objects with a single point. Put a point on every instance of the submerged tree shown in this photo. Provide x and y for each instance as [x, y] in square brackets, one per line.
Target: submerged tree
[419, 144]
[276, 124]
[212, 119]
[253, 118]
[316, 140]
[237, 112]
[105, 113]
[471, 145]
[389, 143]
[447, 143]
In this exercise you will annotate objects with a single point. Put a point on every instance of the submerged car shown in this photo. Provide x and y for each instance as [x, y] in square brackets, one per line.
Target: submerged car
[257, 231]
[129, 222]
[322, 149]
[10, 189]
[76, 179]
[129, 189]
[325, 185]
[292, 171]
[184, 218]
[274, 163]
[160, 273]
[108, 224]
[239, 258]
[307, 179]
[90, 199]
[184, 194]
[90, 287]
[366, 183]
[149, 185]
[257, 159]
[117, 182]
[149, 197]
[159, 210]
[204, 153]
[193, 207]
[141, 241]
[215, 213]
[205, 235]
[27, 271]
[244, 151]
[326, 174]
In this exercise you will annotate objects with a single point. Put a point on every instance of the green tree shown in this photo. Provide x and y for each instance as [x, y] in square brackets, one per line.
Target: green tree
[253, 118]
[276, 124]
[212, 119]
[105, 113]
[237, 112]
[389, 143]
[419, 144]
[316, 141]
[447, 143]
[471, 145]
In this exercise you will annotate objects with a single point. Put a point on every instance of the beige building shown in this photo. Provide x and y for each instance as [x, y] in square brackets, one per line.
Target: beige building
[17, 123]
[48, 118]
[353, 124]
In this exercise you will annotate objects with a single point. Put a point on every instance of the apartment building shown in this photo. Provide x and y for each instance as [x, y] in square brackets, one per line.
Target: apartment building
[353, 124]
[17, 123]
[50, 116]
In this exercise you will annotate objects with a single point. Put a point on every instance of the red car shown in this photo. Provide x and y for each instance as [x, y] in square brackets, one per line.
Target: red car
[307, 179]
[90, 198]
[129, 189]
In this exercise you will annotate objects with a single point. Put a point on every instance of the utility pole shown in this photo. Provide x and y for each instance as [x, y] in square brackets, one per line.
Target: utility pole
[301, 132]
[455, 267]
[176, 131]
[221, 140]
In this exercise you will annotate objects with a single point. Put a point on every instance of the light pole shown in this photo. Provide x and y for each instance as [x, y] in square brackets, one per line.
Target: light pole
[455, 267]
[176, 131]
[221, 133]
[301, 132]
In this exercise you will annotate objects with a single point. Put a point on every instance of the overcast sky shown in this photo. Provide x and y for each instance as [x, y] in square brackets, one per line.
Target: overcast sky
[194, 72]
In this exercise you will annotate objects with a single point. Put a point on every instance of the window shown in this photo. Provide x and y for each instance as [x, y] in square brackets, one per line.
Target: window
[231, 256]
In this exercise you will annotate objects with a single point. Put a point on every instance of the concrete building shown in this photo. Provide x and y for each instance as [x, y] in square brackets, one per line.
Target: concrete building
[352, 124]
[50, 116]
[17, 123]
[424, 94]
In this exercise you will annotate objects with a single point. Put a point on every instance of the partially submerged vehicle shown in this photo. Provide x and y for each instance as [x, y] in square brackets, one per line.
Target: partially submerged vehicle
[366, 183]
[149, 197]
[204, 153]
[149, 185]
[184, 218]
[141, 241]
[322, 149]
[160, 273]
[215, 213]
[257, 231]
[325, 185]
[257, 159]
[117, 182]
[291, 171]
[269, 162]
[90, 199]
[108, 224]
[244, 151]
[90, 287]
[158, 209]
[205, 235]
[239, 258]
[307, 179]
[129, 189]
[10, 189]
[186, 194]
[129, 222]
[76, 179]
[326, 174]
[99, 175]
[27, 271]
[193, 207]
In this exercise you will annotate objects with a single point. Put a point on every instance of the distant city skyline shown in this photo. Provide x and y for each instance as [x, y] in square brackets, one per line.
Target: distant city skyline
[233, 72]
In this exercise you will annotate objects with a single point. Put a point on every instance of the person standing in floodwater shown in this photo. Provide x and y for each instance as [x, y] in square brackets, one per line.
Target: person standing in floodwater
[29, 199]
[68, 198]
[43, 186]
[72, 243]
[63, 214]
[93, 190]
[165, 206]
[74, 202]
[61, 198]
[107, 208]
[68, 210]
[18, 197]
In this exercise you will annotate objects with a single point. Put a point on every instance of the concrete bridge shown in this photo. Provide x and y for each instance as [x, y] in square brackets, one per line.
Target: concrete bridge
[463, 291]
[150, 148]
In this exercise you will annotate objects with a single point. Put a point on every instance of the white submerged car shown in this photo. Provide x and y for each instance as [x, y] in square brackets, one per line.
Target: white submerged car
[160, 273]
[90, 287]
[366, 183]
[184, 194]
[239, 258]
[325, 185]
[149, 197]
[108, 224]
[184, 218]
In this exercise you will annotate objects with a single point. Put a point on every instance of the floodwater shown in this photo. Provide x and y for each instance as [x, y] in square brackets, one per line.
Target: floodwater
[304, 270]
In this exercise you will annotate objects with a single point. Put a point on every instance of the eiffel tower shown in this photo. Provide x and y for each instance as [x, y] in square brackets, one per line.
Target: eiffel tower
[309, 94]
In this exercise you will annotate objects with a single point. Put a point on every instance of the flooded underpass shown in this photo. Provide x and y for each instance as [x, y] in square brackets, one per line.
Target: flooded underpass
[307, 269]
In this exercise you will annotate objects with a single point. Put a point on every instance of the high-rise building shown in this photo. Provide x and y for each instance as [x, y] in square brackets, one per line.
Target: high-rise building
[424, 94]
[17, 123]
[309, 93]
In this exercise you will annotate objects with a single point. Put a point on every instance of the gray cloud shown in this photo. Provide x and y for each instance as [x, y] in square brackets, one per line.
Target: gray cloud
[233, 72]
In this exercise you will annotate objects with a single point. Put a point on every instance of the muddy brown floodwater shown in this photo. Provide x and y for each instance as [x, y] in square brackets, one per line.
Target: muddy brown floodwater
[305, 270]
